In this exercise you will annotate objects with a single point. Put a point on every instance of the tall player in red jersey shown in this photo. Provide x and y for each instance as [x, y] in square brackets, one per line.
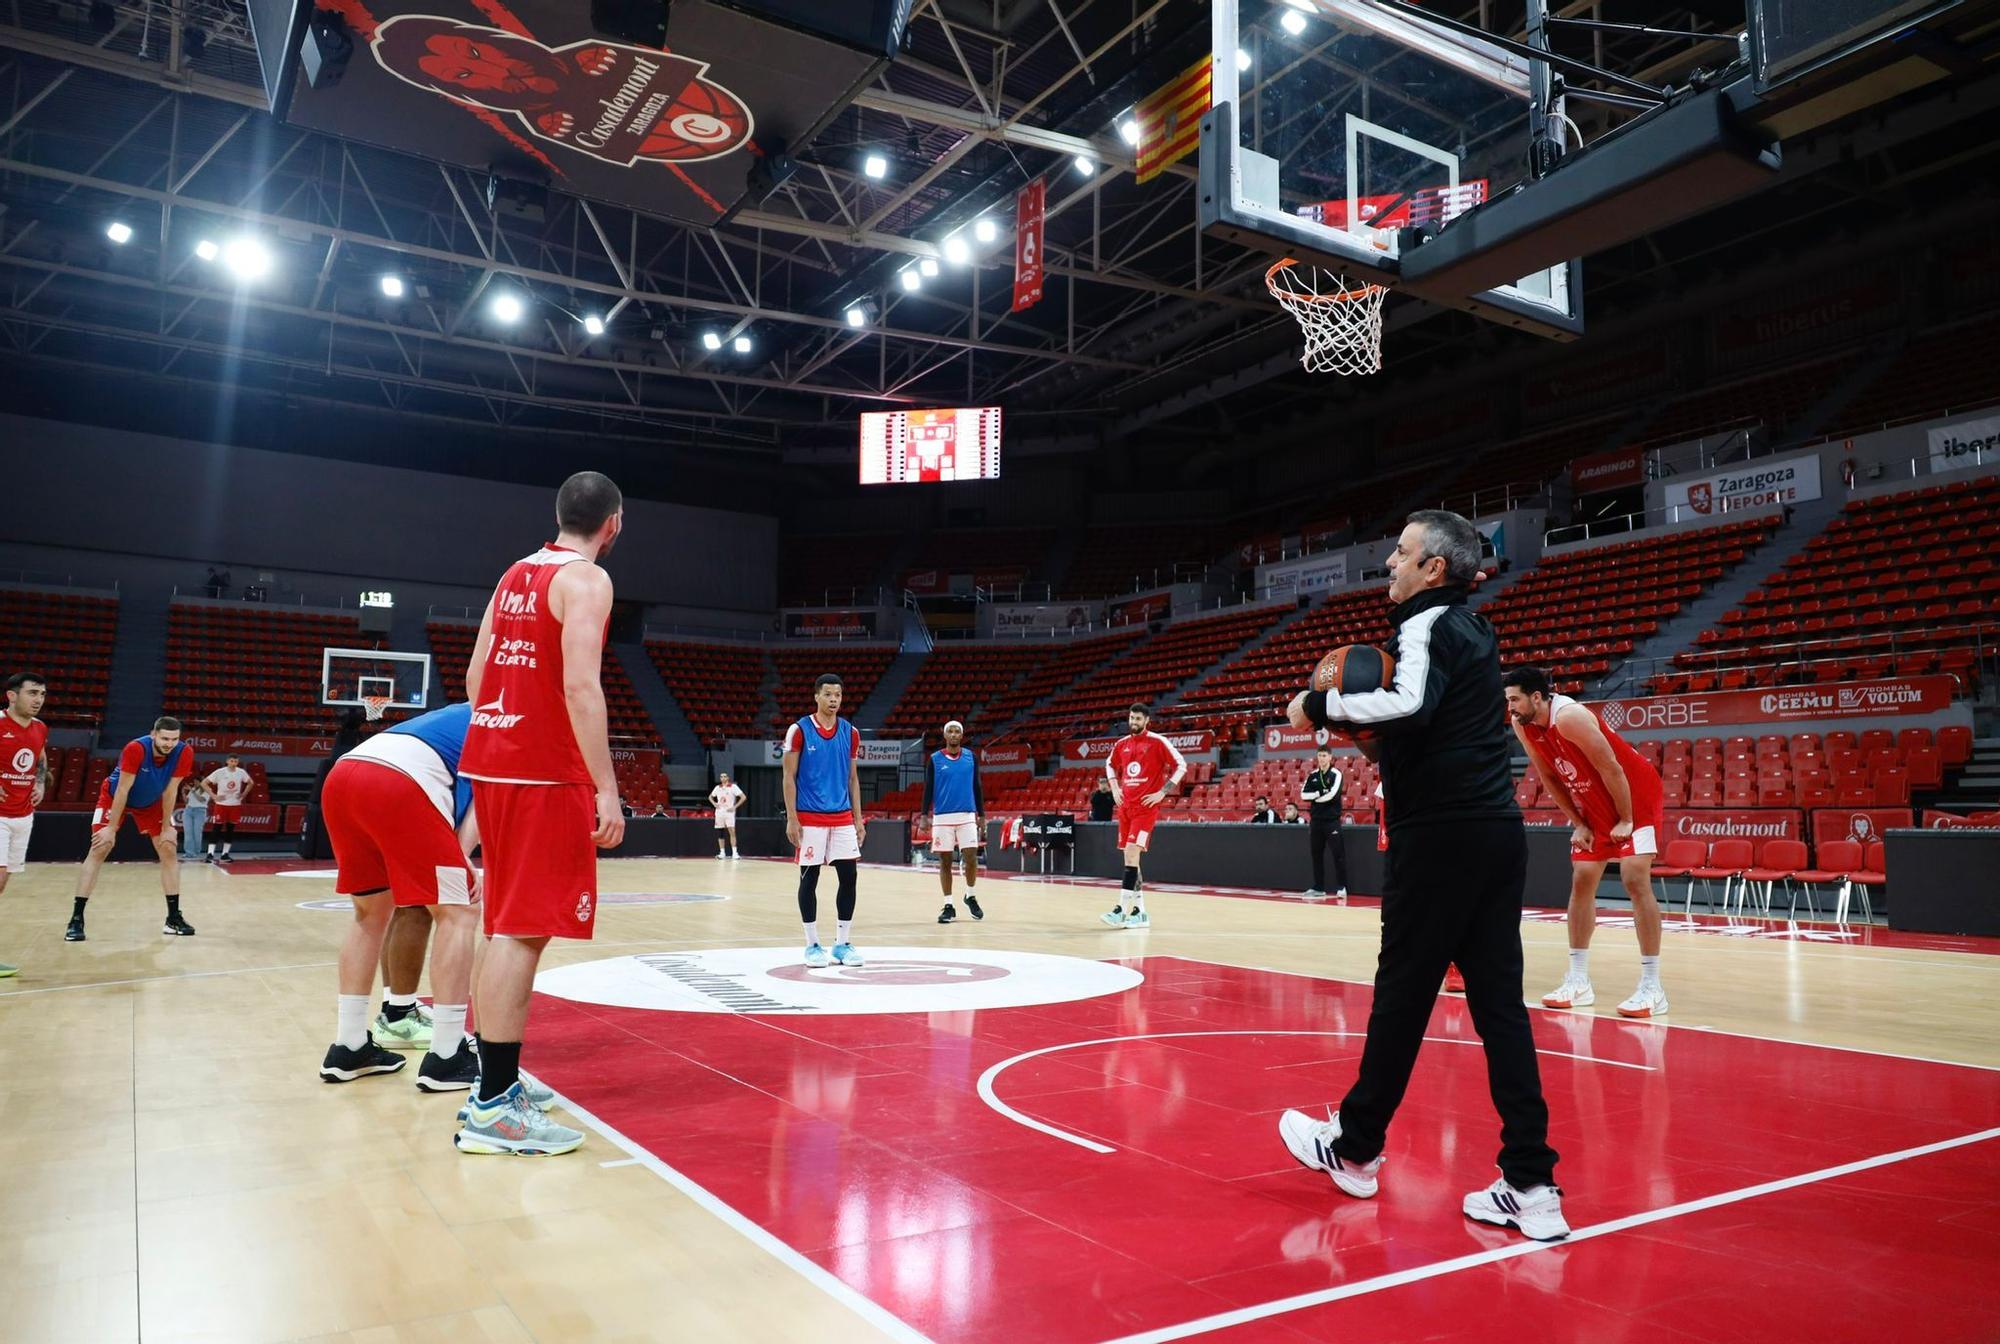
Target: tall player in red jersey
[538, 753]
[1142, 767]
[1613, 796]
[24, 774]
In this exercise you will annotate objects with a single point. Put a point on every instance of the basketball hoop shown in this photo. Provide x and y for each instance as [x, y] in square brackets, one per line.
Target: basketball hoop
[1342, 326]
[373, 706]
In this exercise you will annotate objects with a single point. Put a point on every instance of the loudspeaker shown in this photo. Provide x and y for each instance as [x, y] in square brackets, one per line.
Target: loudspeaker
[771, 167]
[324, 51]
[640, 22]
[517, 199]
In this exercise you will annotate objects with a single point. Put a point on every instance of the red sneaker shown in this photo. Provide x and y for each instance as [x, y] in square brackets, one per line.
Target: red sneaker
[1454, 983]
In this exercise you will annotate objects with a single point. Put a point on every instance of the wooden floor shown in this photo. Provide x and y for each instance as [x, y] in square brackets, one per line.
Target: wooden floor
[171, 1168]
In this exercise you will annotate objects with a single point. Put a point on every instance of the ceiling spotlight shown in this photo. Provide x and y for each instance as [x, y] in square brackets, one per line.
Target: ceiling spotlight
[207, 250]
[710, 341]
[742, 344]
[985, 230]
[507, 307]
[929, 267]
[875, 166]
[1292, 22]
[911, 280]
[593, 324]
[856, 318]
[118, 231]
[246, 258]
[1128, 130]
[1086, 165]
[1242, 59]
[956, 250]
[392, 286]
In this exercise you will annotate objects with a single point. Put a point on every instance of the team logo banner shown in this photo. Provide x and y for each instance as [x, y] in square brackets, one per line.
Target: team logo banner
[1755, 485]
[1028, 272]
[1840, 700]
[1859, 824]
[1092, 750]
[1965, 443]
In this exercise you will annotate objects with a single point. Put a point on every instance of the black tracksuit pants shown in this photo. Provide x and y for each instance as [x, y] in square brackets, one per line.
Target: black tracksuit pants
[1453, 896]
[1325, 833]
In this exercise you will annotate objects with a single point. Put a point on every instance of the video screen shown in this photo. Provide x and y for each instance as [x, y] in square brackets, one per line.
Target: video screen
[912, 447]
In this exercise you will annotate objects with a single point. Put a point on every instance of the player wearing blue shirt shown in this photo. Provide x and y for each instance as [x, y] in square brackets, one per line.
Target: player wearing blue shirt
[958, 816]
[823, 814]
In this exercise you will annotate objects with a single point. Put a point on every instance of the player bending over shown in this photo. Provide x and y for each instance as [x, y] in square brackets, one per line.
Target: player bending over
[143, 787]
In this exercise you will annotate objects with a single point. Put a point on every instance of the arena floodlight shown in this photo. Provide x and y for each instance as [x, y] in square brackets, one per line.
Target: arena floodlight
[1128, 130]
[875, 166]
[956, 250]
[742, 344]
[985, 230]
[1292, 22]
[207, 250]
[1242, 59]
[911, 280]
[856, 318]
[1086, 165]
[507, 306]
[247, 258]
[710, 341]
[593, 324]
[118, 231]
[392, 286]
[929, 267]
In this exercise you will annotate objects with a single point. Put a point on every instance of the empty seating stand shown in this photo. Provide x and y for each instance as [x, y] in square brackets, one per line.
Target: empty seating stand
[831, 569]
[249, 666]
[66, 636]
[1118, 558]
[1254, 688]
[630, 725]
[965, 682]
[1579, 613]
[717, 686]
[859, 667]
[1898, 585]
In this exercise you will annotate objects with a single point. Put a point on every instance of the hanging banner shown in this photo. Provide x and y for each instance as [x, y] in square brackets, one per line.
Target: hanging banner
[1755, 485]
[1837, 700]
[1859, 824]
[1028, 245]
[1968, 443]
[1169, 120]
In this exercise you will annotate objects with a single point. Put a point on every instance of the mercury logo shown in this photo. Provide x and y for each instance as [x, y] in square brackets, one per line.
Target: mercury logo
[494, 714]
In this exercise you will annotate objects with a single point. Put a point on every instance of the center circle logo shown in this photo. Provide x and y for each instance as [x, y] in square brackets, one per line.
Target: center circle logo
[879, 972]
[771, 981]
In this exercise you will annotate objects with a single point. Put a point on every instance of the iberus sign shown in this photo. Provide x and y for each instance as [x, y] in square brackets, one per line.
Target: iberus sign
[1839, 700]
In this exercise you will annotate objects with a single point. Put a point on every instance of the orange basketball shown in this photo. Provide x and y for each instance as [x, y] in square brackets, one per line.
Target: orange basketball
[1353, 668]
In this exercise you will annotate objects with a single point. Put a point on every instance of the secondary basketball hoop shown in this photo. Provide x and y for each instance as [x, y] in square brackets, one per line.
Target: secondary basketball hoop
[1342, 324]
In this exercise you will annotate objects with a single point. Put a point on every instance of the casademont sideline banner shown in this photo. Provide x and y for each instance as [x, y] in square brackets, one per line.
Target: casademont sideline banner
[1752, 824]
[1092, 750]
[1762, 484]
[1838, 700]
[1935, 820]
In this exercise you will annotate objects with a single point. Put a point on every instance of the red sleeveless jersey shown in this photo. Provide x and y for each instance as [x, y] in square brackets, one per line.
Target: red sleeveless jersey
[21, 752]
[1581, 781]
[520, 732]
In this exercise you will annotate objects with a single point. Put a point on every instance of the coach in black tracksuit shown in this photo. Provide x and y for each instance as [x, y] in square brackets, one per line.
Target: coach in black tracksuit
[1457, 855]
[1321, 792]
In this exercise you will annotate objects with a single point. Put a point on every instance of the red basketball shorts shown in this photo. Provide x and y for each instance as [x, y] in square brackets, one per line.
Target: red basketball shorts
[146, 818]
[541, 867]
[1644, 842]
[224, 814]
[389, 836]
[1135, 825]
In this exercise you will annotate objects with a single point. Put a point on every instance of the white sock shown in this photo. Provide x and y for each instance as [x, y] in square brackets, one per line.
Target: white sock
[1649, 972]
[843, 926]
[447, 1028]
[968, 889]
[1136, 901]
[351, 1030]
[1579, 965]
[211, 849]
[225, 849]
[812, 935]
[399, 1000]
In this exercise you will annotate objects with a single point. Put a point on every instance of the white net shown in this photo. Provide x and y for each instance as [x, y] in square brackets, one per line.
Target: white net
[1342, 325]
[373, 706]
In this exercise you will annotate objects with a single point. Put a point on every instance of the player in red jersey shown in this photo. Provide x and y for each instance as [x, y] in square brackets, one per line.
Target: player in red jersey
[1613, 796]
[143, 787]
[24, 774]
[1143, 768]
[538, 753]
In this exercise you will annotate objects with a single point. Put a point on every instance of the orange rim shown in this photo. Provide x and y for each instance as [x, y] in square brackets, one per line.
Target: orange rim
[1339, 296]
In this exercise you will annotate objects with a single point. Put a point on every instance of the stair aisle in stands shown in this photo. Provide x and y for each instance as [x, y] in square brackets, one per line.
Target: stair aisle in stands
[683, 747]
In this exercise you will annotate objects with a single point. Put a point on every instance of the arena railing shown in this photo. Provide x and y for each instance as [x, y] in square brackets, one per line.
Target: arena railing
[1800, 654]
[1496, 498]
[35, 578]
[258, 595]
[1631, 522]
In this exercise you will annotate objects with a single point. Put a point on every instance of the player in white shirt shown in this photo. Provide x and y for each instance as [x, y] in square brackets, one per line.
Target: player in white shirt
[725, 798]
[227, 788]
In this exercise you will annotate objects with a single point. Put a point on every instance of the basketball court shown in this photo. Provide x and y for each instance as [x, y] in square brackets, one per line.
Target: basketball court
[1030, 1127]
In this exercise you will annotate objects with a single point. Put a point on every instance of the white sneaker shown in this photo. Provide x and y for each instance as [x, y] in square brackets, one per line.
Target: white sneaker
[1536, 1214]
[1340, 894]
[1137, 919]
[1571, 993]
[1115, 917]
[1312, 894]
[1311, 1142]
[816, 956]
[1646, 1001]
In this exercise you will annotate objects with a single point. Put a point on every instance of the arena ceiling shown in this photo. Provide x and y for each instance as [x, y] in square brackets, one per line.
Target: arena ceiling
[149, 112]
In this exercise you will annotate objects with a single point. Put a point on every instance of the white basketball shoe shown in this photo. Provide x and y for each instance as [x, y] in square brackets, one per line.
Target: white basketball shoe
[1536, 1214]
[1571, 993]
[1311, 1142]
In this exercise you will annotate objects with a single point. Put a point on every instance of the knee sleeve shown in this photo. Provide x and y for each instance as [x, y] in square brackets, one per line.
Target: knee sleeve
[845, 872]
[809, 894]
[1130, 881]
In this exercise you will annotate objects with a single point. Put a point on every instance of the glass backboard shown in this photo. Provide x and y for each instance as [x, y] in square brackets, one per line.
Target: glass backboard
[1338, 123]
[348, 675]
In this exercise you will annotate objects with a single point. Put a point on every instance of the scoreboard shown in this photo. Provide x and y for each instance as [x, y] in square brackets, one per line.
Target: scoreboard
[908, 447]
